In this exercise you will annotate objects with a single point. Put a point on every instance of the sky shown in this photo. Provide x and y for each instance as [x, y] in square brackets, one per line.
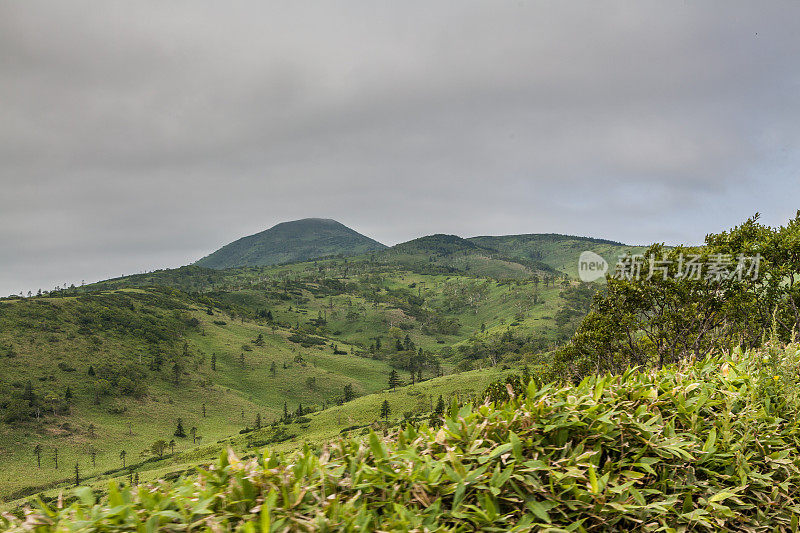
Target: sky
[144, 135]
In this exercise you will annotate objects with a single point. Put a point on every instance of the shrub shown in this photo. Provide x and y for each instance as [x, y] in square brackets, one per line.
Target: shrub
[707, 446]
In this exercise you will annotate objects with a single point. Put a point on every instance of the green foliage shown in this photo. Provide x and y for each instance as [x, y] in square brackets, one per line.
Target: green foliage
[707, 446]
[658, 319]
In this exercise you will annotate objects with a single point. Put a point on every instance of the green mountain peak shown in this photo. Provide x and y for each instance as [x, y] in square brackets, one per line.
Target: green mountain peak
[297, 240]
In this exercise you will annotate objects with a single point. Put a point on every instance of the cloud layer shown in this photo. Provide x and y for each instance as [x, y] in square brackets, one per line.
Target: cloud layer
[141, 135]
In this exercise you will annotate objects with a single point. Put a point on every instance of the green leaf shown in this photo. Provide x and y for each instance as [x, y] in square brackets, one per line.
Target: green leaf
[538, 509]
[712, 439]
[720, 496]
[516, 445]
[377, 446]
[500, 450]
[593, 480]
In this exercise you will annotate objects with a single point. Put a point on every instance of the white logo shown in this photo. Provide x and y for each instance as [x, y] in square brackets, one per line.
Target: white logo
[591, 266]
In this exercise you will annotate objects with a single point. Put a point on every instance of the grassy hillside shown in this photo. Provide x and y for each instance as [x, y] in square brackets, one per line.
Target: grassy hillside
[155, 356]
[705, 446]
[452, 254]
[560, 252]
[298, 240]
[356, 417]
[294, 334]
[324, 325]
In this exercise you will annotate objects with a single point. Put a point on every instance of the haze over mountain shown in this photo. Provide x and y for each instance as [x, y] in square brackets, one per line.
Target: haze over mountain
[286, 242]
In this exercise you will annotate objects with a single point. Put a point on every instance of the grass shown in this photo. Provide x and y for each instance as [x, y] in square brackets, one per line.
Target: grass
[229, 391]
[703, 446]
[116, 327]
[324, 426]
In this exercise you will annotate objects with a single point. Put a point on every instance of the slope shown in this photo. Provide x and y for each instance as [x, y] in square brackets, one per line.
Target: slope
[642, 450]
[560, 252]
[286, 242]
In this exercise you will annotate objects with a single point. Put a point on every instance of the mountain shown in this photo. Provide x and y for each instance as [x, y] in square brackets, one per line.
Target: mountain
[287, 242]
[560, 252]
[451, 254]
[439, 244]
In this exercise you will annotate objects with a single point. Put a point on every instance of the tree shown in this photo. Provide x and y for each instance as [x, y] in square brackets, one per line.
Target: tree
[259, 340]
[285, 411]
[179, 432]
[385, 410]
[55, 457]
[77, 475]
[18, 410]
[204, 410]
[91, 371]
[668, 304]
[176, 372]
[193, 433]
[159, 447]
[214, 362]
[68, 395]
[348, 392]
[439, 411]
[394, 379]
[37, 451]
[258, 421]
[172, 446]
[311, 382]
[122, 455]
[273, 371]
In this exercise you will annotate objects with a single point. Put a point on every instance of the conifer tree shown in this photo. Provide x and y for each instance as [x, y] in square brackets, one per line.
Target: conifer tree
[179, 431]
[394, 380]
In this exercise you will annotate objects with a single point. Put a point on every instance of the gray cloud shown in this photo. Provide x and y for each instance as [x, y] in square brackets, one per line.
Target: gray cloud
[142, 135]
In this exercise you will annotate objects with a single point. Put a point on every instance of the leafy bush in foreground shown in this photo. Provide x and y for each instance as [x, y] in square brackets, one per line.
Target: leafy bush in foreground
[703, 446]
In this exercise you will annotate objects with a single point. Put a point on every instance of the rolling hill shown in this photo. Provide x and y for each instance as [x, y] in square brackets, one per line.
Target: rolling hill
[93, 371]
[560, 252]
[452, 254]
[298, 240]
[98, 370]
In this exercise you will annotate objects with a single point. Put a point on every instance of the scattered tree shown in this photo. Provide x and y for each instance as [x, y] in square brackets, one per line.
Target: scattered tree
[179, 432]
[159, 447]
[394, 380]
[349, 394]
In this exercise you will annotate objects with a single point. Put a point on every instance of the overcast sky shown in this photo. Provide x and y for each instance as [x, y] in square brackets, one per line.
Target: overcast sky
[141, 135]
